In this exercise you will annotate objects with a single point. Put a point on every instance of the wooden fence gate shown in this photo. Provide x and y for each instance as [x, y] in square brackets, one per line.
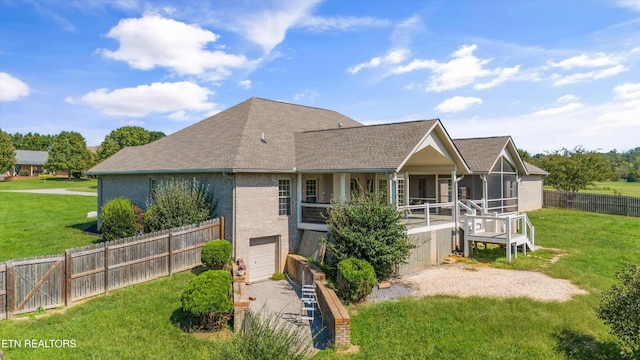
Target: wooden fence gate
[34, 284]
[3, 292]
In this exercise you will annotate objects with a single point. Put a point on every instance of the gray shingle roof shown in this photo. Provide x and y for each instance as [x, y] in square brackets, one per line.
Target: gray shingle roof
[228, 141]
[31, 157]
[534, 170]
[383, 146]
[481, 153]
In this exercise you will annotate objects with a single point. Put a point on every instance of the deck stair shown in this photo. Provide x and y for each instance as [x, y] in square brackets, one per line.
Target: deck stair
[308, 299]
[512, 230]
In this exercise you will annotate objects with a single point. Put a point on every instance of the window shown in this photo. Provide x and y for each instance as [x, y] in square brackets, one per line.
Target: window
[311, 190]
[400, 199]
[284, 196]
[370, 188]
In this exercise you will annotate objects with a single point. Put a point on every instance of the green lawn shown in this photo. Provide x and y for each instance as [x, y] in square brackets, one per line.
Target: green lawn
[139, 322]
[50, 183]
[42, 224]
[611, 188]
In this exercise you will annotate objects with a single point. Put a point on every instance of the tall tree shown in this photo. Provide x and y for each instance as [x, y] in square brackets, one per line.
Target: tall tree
[69, 153]
[574, 170]
[7, 153]
[32, 141]
[126, 136]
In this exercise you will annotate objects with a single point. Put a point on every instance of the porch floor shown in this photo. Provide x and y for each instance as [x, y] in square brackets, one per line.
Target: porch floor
[414, 221]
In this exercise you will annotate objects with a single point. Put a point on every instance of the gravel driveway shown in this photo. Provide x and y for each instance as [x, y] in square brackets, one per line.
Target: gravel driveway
[470, 280]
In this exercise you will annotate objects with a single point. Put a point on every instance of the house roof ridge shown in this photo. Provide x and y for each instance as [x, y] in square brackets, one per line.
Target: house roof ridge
[483, 137]
[293, 104]
[370, 126]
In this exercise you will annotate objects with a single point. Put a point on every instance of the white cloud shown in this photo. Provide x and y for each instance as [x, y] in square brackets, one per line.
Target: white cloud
[583, 60]
[175, 98]
[559, 110]
[464, 69]
[11, 88]
[457, 103]
[152, 41]
[341, 23]
[627, 91]
[393, 57]
[307, 94]
[633, 5]
[567, 98]
[588, 76]
[245, 84]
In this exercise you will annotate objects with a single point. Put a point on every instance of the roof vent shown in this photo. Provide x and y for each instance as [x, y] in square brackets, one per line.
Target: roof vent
[339, 125]
[262, 138]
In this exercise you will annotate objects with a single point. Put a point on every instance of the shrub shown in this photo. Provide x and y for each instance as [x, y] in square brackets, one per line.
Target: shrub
[207, 298]
[264, 336]
[216, 254]
[356, 279]
[277, 276]
[139, 215]
[177, 203]
[620, 309]
[367, 228]
[118, 219]
[24, 173]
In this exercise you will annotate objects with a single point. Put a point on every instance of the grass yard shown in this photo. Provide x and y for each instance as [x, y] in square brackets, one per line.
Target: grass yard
[42, 224]
[31, 183]
[597, 247]
[611, 188]
[139, 322]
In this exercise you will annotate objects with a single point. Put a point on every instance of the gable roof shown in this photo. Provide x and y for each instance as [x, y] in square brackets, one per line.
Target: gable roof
[482, 153]
[31, 157]
[231, 140]
[534, 170]
[383, 147]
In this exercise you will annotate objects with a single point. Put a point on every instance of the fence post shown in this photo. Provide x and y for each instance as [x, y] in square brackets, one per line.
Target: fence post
[222, 227]
[106, 269]
[11, 289]
[170, 253]
[67, 278]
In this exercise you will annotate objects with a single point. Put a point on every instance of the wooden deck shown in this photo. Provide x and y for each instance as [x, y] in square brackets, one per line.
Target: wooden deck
[416, 221]
[497, 238]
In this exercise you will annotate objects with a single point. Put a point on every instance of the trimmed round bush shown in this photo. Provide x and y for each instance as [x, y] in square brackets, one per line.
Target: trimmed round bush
[356, 279]
[216, 254]
[207, 298]
[118, 219]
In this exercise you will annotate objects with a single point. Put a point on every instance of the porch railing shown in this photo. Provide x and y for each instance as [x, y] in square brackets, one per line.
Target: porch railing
[315, 213]
[426, 211]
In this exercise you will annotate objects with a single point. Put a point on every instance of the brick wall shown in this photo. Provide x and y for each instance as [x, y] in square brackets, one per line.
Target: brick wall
[335, 316]
[240, 300]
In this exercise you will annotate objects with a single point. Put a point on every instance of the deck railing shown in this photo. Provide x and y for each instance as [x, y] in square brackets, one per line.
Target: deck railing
[508, 227]
[426, 210]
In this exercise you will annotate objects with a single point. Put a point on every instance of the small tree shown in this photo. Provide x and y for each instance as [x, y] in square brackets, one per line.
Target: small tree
[620, 309]
[574, 170]
[118, 219]
[7, 153]
[69, 153]
[125, 136]
[177, 203]
[367, 228]
[207, 298]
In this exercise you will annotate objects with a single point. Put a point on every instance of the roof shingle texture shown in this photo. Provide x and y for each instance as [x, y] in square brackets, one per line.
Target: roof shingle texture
[481, 153]
[229, 140]
[31, 157]
[364, 147]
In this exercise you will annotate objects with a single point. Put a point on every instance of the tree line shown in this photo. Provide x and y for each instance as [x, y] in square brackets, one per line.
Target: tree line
[576, 169]
[68, 150]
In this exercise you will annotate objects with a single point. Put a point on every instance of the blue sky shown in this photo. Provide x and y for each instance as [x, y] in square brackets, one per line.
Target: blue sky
[551, 74]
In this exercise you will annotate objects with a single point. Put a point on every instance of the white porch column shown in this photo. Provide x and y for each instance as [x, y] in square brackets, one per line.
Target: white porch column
[406, 188]
[485, 191]
[299, 198]
[343, 180]
[454, 197]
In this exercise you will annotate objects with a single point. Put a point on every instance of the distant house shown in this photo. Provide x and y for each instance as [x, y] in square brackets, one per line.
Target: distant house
[31, 161]
[275, 167]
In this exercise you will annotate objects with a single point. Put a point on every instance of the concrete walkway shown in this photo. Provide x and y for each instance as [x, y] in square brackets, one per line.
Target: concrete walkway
[283, 299]
[54, 192]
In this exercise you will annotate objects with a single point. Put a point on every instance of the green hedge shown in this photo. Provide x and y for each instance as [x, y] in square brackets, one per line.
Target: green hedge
[356, 279]
[216, 254]
[118, 219]
[208, 298]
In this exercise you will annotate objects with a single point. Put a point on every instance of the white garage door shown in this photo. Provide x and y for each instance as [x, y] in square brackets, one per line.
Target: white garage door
[262, 257]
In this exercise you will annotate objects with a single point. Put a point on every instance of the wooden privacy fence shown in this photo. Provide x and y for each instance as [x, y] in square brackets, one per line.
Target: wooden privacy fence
[599, 203]
[45, 282]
